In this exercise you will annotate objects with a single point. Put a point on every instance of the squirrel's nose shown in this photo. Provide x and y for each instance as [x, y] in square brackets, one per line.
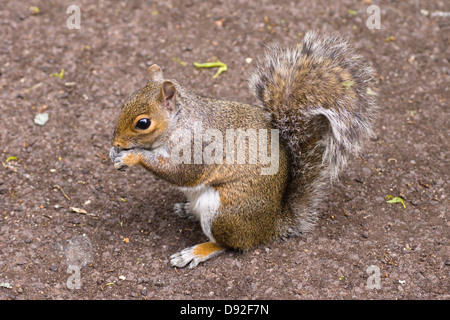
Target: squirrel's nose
[119, 145]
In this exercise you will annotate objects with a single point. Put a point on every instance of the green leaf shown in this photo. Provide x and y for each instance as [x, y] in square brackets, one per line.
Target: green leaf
[347, 84]
[34, 10]
[390, 38]
[179, 61]
[59, 75]
[12, 158]
[222, 67]
[370, 91]
[395, 200]
[352, 12]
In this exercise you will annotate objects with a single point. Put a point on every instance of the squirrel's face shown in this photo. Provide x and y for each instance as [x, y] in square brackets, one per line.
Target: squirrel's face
[145, 115]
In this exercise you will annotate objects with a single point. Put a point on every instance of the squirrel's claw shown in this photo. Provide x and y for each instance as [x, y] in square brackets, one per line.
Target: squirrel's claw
[120, 166]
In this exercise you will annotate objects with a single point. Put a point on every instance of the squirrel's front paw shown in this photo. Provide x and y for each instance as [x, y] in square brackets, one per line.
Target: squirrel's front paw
[123, 158]
[116, 156]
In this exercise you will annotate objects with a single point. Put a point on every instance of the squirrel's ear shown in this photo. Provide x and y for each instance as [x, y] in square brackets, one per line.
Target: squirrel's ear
[155, 73]
[168, 94]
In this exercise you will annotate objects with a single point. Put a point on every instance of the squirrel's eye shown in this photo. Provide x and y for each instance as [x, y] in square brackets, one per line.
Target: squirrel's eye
[143, 124]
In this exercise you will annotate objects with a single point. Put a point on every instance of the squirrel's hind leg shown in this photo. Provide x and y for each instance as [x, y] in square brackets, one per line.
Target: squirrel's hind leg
[196, 254]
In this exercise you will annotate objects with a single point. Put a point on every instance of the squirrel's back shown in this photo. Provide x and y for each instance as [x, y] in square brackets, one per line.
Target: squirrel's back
[319, 96]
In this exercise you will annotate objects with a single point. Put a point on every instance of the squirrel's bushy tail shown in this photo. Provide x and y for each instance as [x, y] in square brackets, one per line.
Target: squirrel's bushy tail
[319, 97]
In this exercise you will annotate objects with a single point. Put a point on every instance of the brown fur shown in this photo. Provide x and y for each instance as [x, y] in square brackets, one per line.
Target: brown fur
[251, 204]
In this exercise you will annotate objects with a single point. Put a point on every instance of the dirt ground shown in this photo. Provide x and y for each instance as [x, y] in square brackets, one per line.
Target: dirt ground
[118, 245]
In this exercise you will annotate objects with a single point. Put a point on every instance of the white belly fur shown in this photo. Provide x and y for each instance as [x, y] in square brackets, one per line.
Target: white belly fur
[204, 203]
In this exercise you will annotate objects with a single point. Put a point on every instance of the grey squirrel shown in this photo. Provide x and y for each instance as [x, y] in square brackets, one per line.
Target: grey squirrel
[317, 98]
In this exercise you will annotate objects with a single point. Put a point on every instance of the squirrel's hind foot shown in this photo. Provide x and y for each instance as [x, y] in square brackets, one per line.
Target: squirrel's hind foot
[182, 210]
[194, 255]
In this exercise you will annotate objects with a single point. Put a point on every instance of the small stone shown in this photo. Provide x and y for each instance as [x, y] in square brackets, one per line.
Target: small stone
[41, 118]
